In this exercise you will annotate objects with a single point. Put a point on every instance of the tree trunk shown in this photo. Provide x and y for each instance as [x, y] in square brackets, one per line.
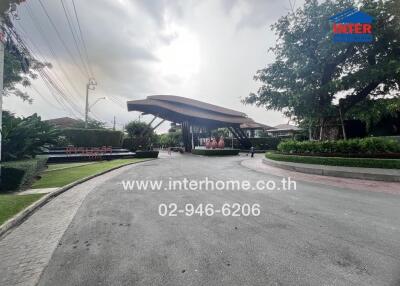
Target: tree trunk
[342, 123]
[321, 129]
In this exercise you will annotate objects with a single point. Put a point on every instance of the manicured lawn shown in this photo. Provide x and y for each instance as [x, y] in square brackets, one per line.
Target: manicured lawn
[64, 176]
[12, 204]
[337, 161]
[52, 167]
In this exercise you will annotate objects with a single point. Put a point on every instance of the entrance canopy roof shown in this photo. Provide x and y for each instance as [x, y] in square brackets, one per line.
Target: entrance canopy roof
[180, 109]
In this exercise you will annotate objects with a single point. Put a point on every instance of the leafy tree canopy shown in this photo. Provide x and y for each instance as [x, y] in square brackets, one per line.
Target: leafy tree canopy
[311, 73]
[25, 137]
[20, 66]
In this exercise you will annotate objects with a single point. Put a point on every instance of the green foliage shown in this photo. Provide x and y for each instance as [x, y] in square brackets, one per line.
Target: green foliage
[92, 124]
[146, 154]
[17, 175]
[137, 129]
[10, 205]
[20, 66]
[81, 137]
[62, 177]
[25, 137]
[141, 136]
[266, 143]
[369, 145]
[310, 70]
[171, 139]
[216, 152]
[337, 161]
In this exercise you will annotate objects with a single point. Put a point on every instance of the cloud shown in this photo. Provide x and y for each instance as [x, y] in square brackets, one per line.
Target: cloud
[208, 50]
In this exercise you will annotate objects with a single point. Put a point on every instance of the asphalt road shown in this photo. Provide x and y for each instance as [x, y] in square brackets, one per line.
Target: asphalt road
[315, 235]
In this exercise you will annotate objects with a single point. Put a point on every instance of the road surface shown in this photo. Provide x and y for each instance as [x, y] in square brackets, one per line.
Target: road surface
[314, 235]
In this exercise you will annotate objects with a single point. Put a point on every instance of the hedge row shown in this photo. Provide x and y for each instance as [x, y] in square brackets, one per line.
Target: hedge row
[19, 175]
[337, 161]
[369, 145]
[216, 152]
[262, 143]
[93, 137]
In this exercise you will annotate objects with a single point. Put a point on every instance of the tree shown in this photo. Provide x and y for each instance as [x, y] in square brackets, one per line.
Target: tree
[311, 73]
[25, 137]
[20, 66]
[141, 136]
[92, 124]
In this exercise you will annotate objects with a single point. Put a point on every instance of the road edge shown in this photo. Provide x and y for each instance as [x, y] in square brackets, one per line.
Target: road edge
[332, 171]
[21, 216]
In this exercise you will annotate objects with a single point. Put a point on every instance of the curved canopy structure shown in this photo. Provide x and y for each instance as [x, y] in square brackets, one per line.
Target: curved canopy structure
[180, 109]
[190, 112]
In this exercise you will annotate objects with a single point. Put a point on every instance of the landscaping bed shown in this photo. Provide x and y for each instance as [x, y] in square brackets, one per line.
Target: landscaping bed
[19, 175]
[146, 154]
[61, 177]
[215, 152]
[337, 161]
[10, 205]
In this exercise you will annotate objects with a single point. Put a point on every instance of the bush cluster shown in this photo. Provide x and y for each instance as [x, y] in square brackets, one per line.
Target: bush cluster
[215, 152]
[81, 137]
[18, 175]
[337, 161]
[371, 145]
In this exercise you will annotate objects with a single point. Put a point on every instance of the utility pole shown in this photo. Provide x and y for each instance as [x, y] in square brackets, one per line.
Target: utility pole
[114, 124]
[91, 85]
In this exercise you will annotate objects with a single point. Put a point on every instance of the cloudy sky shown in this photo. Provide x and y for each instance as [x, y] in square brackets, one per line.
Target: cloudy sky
[207, 50]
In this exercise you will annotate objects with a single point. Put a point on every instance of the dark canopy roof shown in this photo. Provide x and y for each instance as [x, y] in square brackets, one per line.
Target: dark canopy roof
[180, 109]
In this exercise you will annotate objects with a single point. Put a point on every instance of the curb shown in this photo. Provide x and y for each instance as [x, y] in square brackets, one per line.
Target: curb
[25, 213]
[337, 171]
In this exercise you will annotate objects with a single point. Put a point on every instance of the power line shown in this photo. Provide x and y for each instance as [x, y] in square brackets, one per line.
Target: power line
[66, 13]
[43, 34]
[47, 75]
[60, 38]
[83, 40]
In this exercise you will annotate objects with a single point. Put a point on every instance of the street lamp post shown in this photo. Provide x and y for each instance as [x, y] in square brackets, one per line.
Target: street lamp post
[91, 85]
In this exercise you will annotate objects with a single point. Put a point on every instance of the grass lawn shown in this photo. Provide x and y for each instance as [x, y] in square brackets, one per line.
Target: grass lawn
[337, 161]
[52, 167]
[12, 204]
[60, 177]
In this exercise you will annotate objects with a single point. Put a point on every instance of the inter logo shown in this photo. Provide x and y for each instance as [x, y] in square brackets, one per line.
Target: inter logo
[353, 26]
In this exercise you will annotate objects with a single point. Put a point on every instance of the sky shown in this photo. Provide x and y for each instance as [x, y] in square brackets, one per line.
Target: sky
[207, 50]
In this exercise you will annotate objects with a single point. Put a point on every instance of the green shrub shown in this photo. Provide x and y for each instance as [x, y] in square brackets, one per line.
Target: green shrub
[93, 137]
[370, 145]
[215, 152]
[24, 138]
[137, 143]
[19, 175]
[146, 154]
[337, 161]
[265, 143]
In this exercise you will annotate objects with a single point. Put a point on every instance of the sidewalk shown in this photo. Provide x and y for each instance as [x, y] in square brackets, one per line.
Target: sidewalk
[376, 174]
[257, 164]
[26, 250]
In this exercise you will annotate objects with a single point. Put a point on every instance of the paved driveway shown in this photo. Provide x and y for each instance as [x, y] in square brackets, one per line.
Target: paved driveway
[316, 235]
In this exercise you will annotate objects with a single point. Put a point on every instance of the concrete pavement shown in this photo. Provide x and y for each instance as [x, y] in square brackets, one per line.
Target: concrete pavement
[320, 234]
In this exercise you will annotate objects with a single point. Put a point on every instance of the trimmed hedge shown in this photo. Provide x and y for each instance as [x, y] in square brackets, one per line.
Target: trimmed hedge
[137, 143]
[265, 143]
[369, 145]
[146, 154]
[215, 152]
[19, 175]
[337, 161]
[262, 143]
[81, 137]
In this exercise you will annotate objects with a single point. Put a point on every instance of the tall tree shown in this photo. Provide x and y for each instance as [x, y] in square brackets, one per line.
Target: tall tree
[20, 66]
[311, 72]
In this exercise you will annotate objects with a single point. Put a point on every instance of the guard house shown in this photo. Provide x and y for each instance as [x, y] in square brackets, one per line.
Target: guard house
[193, 115]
